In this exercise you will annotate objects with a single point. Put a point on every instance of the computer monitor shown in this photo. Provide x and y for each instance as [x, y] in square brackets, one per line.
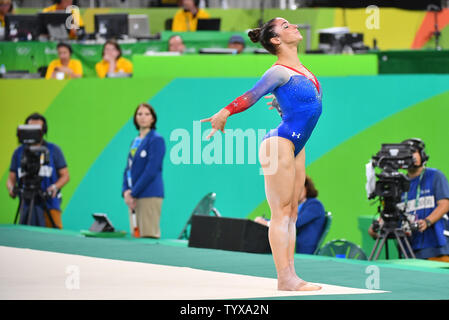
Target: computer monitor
[353, 39]
[331, 39]
[21, 27]
[111, 25]
[53, 20]
[212, 24]
[138, 26]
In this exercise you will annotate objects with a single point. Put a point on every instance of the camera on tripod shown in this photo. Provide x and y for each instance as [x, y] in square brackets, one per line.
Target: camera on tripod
[35, 158]
[389, 187]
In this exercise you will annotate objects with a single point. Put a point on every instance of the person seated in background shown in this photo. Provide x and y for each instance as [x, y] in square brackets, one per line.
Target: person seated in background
[186, 18]
[62, 5]
[175, 44]
[113, 64]
[311, 219]
[236, 42]
[5, 8]
[64, 67]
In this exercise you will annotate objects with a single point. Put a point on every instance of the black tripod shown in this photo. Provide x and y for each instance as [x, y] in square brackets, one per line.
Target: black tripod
[390, 230]
[32, 195]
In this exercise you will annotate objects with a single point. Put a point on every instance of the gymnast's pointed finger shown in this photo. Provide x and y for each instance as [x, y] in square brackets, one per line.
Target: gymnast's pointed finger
[211, 133]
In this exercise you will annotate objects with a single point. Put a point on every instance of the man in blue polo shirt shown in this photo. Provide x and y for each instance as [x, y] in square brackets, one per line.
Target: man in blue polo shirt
[428, 200]
[54, 176]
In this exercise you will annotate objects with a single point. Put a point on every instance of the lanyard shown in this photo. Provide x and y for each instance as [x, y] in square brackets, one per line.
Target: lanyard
[418, 191]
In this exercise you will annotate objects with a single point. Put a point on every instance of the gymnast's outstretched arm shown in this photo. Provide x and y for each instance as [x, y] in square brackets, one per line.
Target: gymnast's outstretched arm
[272, 78]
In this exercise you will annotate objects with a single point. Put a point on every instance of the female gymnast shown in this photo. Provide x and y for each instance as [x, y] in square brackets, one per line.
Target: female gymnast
[298, 94]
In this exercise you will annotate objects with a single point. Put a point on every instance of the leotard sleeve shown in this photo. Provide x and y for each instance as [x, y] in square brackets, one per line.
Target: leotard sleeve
[274, 77]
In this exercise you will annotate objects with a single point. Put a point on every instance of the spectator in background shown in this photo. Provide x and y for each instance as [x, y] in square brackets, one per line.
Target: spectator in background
[311, 219]
[54, 175]
[62, 5]
[5, 8]
[143, 188]
[113, 64]
[175, 44]
[236, 42]
[186, 19]
[64, 67]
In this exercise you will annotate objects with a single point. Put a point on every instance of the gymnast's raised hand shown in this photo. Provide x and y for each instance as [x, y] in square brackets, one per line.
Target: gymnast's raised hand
[218, 121]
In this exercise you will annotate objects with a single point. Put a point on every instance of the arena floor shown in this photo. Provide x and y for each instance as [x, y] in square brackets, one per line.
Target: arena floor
[48, 264]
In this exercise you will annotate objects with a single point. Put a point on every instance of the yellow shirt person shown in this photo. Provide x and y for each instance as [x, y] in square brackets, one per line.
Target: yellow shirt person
[186, 19]
[64, 67]
[5, 8]
[56, 66]
[122, 65]
[112, 61]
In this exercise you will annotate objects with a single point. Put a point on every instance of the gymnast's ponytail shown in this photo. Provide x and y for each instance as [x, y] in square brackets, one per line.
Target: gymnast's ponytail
[263, 35]
[254, 35]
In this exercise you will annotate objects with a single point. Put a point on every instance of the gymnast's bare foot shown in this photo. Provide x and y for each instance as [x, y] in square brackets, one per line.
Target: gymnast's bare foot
[289, 281]
[295, 285]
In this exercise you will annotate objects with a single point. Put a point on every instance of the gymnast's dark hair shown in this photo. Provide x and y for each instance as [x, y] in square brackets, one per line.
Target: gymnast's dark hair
[263, 35]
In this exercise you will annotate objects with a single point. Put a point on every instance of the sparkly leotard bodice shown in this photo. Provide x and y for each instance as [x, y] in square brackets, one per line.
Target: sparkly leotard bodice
[299, 100]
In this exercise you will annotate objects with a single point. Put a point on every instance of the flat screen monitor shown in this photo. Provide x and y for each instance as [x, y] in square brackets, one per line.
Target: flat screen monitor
[330, 38]
[21, 27]
[111, 25]
[52, 19]
[353, 39]
[212, 24]
[138, 26]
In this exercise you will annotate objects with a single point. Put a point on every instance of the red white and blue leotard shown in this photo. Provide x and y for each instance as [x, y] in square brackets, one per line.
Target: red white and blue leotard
[299, 99]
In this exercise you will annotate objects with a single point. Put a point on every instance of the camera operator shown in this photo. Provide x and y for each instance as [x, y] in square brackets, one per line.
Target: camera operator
[54, 176]
[428, 200]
